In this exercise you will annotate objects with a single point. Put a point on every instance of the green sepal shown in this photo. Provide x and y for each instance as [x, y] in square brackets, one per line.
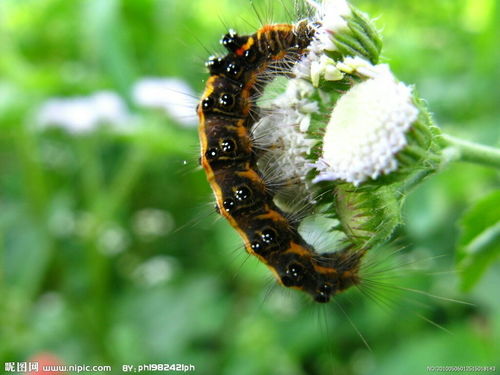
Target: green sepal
[368, 216]
[361, 38]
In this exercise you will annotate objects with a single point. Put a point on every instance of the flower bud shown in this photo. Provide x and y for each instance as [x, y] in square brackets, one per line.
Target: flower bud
[346, 31]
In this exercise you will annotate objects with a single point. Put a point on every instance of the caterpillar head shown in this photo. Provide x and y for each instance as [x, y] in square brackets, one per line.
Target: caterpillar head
[336, 272]
[320, 276]
[232, 41]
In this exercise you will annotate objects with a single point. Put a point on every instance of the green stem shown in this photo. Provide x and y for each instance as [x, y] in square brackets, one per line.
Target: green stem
[461, 150]
[124, 181]
[89, 149]
[37, 200]
[415, 180]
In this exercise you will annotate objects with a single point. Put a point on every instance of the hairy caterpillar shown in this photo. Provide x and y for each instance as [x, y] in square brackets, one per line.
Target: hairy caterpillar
[227, 111]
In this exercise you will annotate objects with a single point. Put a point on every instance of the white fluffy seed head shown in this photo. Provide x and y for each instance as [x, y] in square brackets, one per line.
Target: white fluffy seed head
[366, 130]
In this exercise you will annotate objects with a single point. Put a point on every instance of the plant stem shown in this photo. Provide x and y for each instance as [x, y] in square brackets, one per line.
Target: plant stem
[470, 152]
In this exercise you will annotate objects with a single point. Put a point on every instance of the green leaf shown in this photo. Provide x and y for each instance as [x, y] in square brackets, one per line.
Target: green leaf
[479, 243]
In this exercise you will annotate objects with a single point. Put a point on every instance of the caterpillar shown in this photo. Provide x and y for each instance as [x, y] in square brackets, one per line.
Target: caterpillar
[227, 111]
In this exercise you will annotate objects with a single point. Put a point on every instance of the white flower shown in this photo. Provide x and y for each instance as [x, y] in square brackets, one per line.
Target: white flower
[332, 14]
[285, 130]
[283, 133]
[327, 68]
[367, 129]
[84, 113]
[172, 95]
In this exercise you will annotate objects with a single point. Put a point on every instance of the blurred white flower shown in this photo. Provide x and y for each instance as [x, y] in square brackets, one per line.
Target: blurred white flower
[155, 270]
[110, 107]
[85, 113]
[172, 95]
[150, 223]
[367, 129]
[282, 305]
[62, 222]
[113, 239]
[50, 306]
[56, 155]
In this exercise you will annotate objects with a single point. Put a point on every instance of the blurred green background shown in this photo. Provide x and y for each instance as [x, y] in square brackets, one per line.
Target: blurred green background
[110, 252]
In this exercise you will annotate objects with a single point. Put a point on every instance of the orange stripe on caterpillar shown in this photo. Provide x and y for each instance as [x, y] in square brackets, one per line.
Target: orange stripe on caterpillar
[230, 162]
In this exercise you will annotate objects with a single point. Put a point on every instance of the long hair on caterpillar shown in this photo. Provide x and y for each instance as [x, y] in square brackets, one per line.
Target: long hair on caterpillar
[227, 111]
[240, 45]
[358, 326]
